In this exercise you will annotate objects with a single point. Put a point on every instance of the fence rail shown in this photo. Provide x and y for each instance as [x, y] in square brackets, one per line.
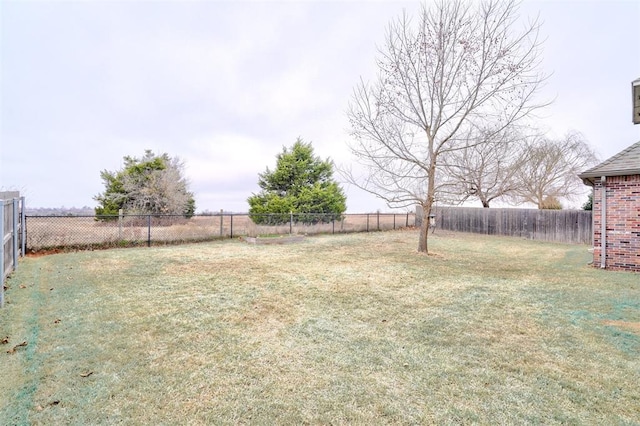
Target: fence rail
[11, 237]
[566, 226]
[88, 232]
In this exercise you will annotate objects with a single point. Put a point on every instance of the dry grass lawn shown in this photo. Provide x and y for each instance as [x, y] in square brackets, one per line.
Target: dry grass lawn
[344, 329]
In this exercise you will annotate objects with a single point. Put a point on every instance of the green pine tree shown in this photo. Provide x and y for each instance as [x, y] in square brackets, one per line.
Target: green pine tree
[301, 184]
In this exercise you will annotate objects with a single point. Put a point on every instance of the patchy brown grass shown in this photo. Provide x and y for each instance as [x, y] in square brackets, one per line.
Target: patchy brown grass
[345, 329]
[633, 327]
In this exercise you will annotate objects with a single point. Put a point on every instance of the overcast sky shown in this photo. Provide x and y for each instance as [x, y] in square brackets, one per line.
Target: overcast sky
[225, 85]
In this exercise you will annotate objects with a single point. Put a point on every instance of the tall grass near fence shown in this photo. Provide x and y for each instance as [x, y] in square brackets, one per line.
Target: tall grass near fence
[344, 329]
[85, 232]
[565, 226]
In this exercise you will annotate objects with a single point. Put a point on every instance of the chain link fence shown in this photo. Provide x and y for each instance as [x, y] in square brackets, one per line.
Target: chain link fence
[45, 233]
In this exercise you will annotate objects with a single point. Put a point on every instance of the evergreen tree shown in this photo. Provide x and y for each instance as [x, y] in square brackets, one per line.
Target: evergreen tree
[153, 184]
[301, 184]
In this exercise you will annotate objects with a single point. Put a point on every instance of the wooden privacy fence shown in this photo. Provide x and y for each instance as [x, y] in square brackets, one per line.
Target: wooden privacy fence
[11, 238]
[566, 226]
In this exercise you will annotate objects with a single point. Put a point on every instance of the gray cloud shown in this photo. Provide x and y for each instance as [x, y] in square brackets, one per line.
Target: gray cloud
[224, 85]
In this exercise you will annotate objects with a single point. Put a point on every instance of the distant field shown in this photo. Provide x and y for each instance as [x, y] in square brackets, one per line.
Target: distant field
[338, 329]
[60, 231]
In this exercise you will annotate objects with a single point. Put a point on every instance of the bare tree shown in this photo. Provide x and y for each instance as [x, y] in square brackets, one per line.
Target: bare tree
[463, 65]
[485, 168]
[153, 184]
[159, 190]
[549, 170]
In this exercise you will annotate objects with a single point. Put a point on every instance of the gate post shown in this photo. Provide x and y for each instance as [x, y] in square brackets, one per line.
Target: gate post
[23, 228]
[15, 233]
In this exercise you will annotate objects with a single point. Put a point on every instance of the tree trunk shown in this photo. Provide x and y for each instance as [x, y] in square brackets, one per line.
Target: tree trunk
[424, 233]
[423, 246]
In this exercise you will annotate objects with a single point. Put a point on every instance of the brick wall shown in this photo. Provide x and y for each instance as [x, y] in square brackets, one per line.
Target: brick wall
[623, 222]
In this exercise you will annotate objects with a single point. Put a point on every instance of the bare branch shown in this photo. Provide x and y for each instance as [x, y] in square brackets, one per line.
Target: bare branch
[550, 169]
[461, 67]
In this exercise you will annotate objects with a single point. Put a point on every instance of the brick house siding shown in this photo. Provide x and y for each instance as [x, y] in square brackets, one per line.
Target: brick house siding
[623, 222]
[622, 210]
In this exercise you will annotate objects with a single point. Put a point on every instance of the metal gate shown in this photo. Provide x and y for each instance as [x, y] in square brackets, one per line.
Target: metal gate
[11, 235]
